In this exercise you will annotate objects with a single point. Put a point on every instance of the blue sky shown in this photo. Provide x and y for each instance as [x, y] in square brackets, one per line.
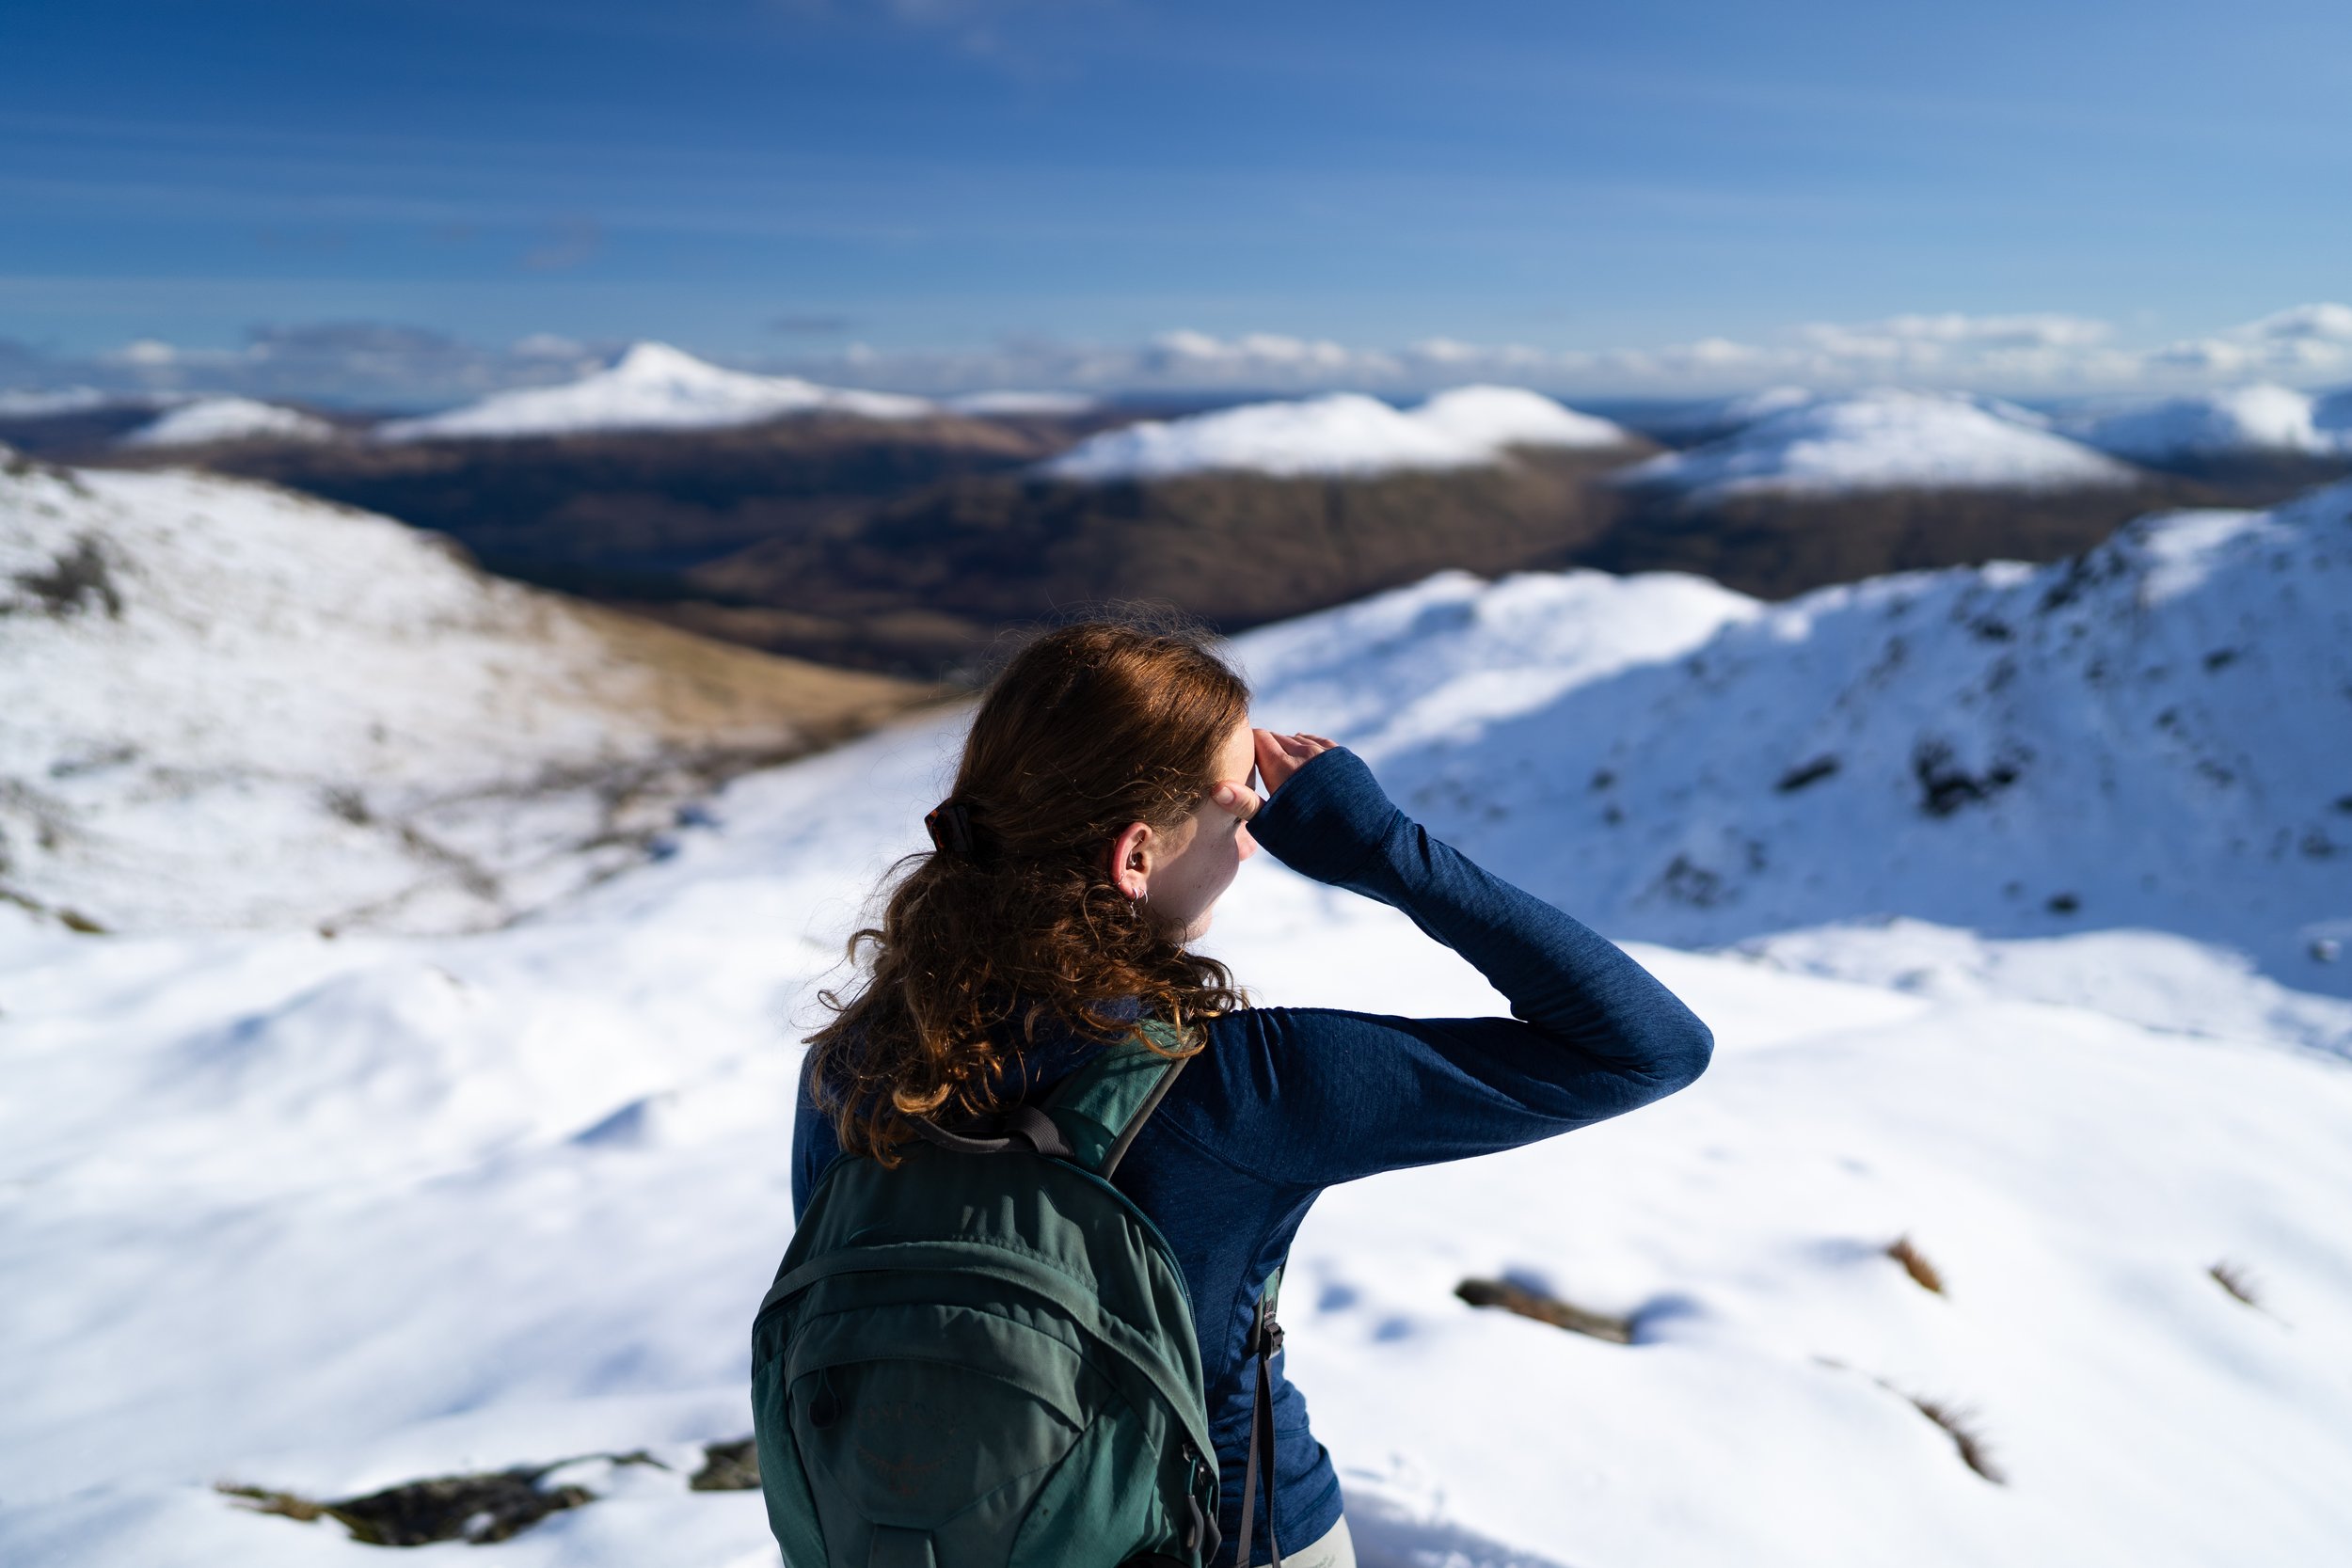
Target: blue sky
[898, 184]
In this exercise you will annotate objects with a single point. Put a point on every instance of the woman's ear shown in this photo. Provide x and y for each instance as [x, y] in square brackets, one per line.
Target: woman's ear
[1130, 860]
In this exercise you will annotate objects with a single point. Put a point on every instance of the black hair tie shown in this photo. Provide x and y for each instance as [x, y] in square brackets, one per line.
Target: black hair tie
[949, 824]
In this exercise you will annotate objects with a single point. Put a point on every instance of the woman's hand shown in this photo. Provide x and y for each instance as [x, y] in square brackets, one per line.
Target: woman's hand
[1279, 758]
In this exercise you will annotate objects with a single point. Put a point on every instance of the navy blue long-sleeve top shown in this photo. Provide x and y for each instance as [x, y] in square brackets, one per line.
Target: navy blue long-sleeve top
[1285, 1101]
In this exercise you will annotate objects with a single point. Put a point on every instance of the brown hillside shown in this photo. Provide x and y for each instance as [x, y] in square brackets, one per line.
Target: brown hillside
[568, 510]
[1776, 546]
[923, 581]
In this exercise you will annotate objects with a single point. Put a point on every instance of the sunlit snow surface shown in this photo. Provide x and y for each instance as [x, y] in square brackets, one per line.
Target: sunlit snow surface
[2239, 421]
[1881, 440]
[329, 1216]
[652, 386]
[1343, 433]
[207, 421]
[223, 704]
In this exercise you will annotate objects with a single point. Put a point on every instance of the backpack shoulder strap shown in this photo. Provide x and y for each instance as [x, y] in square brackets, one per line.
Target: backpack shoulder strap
[1102, 1106]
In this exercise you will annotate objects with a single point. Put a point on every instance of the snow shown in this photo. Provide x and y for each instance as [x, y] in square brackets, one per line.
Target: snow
[229, 419]
[1511, 415]
[2239, 421]
[2151, 736]
[2331, 416]
[1013, 403]
[1341, 434]
[1713, 418]
[331, 1215]
[237, 705]
[1879, 440]
[651, 387]
[34, 402]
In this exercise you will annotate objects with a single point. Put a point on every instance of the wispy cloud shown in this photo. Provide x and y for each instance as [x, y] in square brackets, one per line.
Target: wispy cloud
[2046, 352]
[2049, 353]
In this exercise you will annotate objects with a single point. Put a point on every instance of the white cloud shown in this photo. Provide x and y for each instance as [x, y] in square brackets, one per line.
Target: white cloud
[549, 345]
[2045, 353]
[2304, 343]
[2330, 322]
[146, 354]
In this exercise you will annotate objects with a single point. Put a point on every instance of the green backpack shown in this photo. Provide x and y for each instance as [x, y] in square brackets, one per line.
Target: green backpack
[987, 1355]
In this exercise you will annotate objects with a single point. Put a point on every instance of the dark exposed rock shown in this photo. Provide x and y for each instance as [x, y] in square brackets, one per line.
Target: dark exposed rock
[729, 1467]
[1945, 786]
[76, 580]
[1807, 773]
[492, 1505]
[1688, 883]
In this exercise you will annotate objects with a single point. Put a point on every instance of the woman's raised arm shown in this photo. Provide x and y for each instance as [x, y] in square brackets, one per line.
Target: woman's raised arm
[1341, 1094]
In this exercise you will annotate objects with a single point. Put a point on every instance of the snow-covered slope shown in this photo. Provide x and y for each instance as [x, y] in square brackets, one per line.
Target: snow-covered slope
[225, 704]
[652, 386]
[2331, 416]
[1344, 434]
[2156, 735]
[329, 1215]
[427, 1206]
[2256, 421]
[1501, 417]
[1712, 418]
[1883, 440]
[229, 419]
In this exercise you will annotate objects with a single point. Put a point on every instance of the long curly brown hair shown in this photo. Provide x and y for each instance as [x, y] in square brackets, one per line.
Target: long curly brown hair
[1091, 727]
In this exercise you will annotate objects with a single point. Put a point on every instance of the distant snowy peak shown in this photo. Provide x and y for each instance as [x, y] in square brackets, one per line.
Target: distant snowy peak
[2241, 421]
[2332, 415]
[1716, 418]
[1344, 433]
[1515, 416]
[208, 420]
[1883, 440]
[652, 386]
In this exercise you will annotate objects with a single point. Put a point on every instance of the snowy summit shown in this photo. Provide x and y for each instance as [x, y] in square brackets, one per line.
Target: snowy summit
[2240, 421]
[1880, 440]
[207, 421]
[652, 386]
[1342, 434]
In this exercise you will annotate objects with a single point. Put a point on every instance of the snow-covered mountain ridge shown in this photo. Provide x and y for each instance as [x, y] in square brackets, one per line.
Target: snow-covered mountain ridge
[1881, 440]
[506, 1198]
[205, 420]
[226, 705]
[1340, 434]
[2241, 421]
[422, 1205]
[2156, 734]
[651, 387]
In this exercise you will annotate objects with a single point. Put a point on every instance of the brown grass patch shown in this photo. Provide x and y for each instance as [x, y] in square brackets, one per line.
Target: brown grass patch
[1956, 1421]
[1916, 1264]
[1546, 1309]
[2234, 1278]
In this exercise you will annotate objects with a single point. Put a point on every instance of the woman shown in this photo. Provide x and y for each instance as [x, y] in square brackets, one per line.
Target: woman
[1103, 806]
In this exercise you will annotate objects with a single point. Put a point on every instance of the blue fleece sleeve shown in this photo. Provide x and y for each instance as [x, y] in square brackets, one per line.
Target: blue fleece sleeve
[1320, 1096]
